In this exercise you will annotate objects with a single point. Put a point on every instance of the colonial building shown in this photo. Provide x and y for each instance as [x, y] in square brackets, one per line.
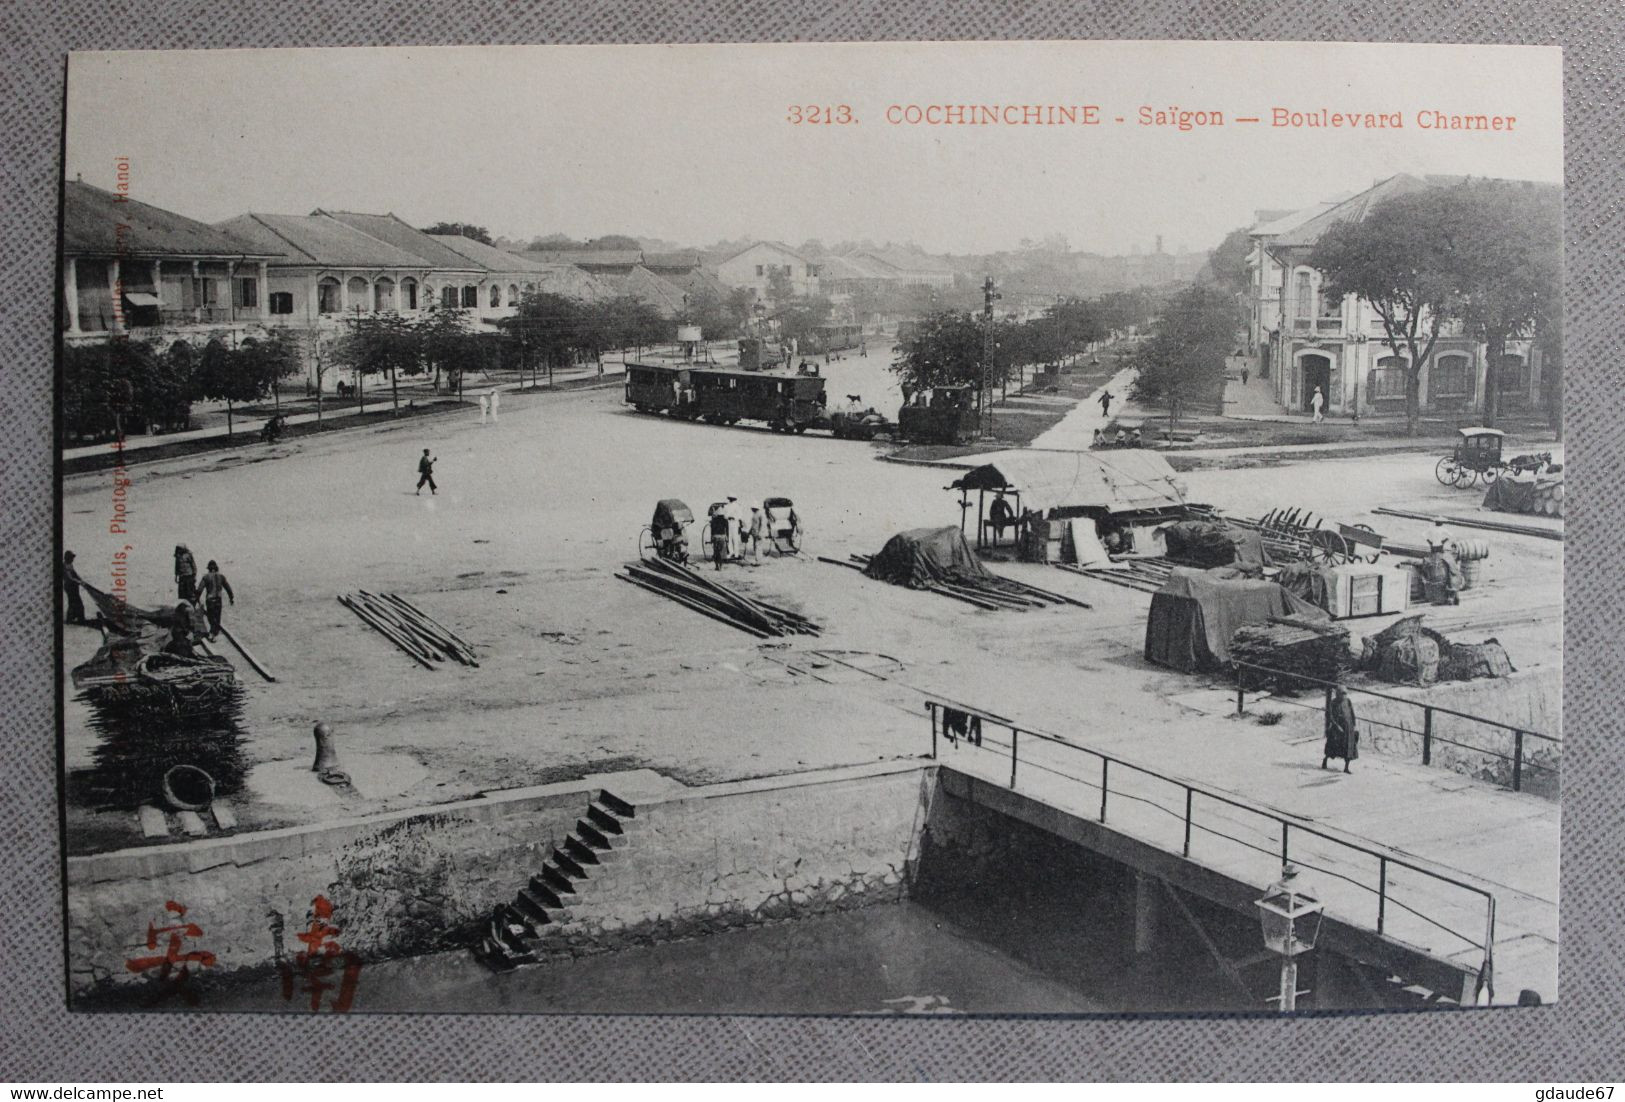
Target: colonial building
[1338, 344]
[509, 277]
[133, 269]
[911, 269]
[1264, 275]
[756, 265]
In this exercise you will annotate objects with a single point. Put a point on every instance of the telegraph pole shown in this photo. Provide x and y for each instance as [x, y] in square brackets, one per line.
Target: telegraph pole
[989, 294]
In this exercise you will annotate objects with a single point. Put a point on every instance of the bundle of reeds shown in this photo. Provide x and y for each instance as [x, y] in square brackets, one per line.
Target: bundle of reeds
[693, 590]
[424, 639]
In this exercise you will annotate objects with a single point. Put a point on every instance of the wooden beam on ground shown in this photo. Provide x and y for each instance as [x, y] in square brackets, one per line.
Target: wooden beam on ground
[247, 657]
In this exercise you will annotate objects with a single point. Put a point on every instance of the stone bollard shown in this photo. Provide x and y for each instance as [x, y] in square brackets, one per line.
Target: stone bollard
[327, 755]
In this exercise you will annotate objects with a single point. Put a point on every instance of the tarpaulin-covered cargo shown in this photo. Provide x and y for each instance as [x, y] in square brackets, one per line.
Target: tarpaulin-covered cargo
[1209, 543]
[925, 556]
[1127, 481]
[1196, 612]
[1540, 496]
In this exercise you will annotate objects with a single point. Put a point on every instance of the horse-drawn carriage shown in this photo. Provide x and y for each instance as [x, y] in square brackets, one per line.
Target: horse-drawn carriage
[1477, 455]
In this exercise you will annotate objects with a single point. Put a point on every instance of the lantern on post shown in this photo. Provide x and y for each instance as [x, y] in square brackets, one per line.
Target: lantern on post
[1290, 915]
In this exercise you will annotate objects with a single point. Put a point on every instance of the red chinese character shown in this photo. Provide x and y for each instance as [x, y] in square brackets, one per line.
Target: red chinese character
[316, 962]
[173, 968]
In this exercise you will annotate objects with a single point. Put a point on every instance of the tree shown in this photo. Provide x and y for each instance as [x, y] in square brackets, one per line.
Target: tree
[1227, 264]
[380, 344]
[267, 361]
[1507, 242]
[1183, 362]
[462, 229]
[943, 349]
[615, 241]
[445, 342]
[1401, 259]
[223, 374]
[800, 317]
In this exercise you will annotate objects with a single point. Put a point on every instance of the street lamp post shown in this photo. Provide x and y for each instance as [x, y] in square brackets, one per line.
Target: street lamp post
[1290, 915]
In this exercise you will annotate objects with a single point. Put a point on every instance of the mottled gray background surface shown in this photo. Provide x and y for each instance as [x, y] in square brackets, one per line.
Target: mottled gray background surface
[1582, 1039]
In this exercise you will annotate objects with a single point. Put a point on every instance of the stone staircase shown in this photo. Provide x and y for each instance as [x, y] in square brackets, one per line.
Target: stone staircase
[518, 932]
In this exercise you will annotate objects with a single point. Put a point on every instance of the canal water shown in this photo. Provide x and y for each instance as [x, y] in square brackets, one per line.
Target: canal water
[895, 958]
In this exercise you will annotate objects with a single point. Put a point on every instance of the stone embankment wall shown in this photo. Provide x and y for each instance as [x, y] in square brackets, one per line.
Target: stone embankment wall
[752, 852]
[1531, 699]
[409, 882]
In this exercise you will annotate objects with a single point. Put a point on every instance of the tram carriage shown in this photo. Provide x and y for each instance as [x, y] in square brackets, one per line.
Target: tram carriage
[788, 403]
[835, 338]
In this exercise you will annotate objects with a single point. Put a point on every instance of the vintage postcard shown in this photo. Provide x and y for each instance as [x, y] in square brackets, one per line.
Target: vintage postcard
[896, 528]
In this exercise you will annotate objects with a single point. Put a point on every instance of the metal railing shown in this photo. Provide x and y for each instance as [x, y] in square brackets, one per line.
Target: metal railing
[1519, 734]
[1385, 860]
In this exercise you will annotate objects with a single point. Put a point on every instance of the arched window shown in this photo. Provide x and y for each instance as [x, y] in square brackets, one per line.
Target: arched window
[530, 288]
[496, 294]
[448, 297]
[513, 294]
[1303, 297]
[1451, 377]
[471, 297]
[409, 293]
[1387, 380]
[327, 296]
[360, 293]
[383, 295]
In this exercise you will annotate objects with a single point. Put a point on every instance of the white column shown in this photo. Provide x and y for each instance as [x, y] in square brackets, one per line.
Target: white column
[70, 292]
[197, 292]
[344, 295]
[115, 322]
[264, 268]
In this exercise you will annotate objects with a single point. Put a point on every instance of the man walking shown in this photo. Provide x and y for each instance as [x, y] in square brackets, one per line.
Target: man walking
[1106, 397]
[1317, 403]
[70, 591]
[1342, 735]
[496, 400]
[210, 588]
[426, 473]
[185, 573]
[1245, 372]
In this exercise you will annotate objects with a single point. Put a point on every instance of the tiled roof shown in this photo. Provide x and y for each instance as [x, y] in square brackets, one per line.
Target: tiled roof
[1355, 209]
[488, 257]
[91, 217]
[662, 262]
[588, 258]
[392, 231]
[306, 240]
[907, 261]
[779, 245]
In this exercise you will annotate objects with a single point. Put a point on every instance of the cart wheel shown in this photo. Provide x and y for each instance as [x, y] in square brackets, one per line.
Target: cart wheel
[1331, 548]
[1490, 474]
[1446, 471]
[646, 542]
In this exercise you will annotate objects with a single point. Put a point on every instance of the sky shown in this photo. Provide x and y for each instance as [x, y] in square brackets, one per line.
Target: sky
[694, 144]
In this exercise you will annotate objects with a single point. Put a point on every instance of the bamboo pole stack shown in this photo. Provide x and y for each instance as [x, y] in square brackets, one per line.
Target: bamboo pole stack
[423, 638]
[694, 591]
[990, 593]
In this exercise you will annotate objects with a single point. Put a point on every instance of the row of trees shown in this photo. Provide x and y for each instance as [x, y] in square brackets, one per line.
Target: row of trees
[121, 387]
[1182, 363]
[1486, 254]
[947, 348]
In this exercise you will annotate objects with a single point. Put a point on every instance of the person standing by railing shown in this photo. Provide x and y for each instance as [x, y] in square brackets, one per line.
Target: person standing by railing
[1342, 733]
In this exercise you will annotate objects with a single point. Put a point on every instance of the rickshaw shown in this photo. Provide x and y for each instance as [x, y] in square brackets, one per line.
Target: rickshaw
[667, 535]
[783, 526]
[1477, 456]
